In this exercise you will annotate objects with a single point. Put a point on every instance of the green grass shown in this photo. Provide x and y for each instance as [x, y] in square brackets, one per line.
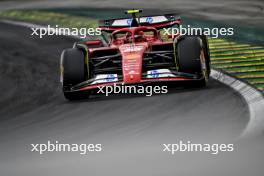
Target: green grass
[52, 18]
[239, 64]
[245, 69]
[255, 80]
[242, 60]
[249, 59]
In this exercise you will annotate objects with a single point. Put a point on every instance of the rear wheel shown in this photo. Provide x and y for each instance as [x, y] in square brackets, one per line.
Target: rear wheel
[191, 58]
[73, 71]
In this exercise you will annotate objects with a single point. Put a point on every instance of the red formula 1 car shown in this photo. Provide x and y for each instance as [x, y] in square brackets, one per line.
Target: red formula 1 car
[134, 51]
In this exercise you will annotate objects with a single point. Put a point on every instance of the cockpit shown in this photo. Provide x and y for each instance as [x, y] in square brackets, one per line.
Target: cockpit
[134, 35]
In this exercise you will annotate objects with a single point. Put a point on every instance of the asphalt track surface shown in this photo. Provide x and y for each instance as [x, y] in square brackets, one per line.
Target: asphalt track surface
[131, 129]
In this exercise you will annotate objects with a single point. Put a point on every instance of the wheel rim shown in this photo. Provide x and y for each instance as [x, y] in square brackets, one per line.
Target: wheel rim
[203, 66]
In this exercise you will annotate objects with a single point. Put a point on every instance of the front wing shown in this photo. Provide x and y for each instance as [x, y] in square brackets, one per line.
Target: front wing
[168, 77]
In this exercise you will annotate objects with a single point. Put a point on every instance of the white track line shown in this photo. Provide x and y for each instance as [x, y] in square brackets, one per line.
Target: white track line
[253, 97]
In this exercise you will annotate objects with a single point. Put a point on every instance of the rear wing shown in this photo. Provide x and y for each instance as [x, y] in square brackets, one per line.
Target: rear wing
[158, 22]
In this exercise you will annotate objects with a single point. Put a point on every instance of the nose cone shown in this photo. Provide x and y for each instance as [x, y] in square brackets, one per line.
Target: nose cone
[132, 62]
[132, 68]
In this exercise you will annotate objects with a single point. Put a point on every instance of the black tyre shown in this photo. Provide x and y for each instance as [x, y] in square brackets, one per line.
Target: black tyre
[206, 54]
[73, 71]
[189, 50]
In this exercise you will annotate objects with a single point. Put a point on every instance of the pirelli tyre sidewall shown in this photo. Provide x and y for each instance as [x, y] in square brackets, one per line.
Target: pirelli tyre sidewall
[72, 71]
[191, 57]
[206, 54]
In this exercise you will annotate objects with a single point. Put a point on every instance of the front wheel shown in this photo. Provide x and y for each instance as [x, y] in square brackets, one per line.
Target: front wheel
[72, 71]
[191, 58]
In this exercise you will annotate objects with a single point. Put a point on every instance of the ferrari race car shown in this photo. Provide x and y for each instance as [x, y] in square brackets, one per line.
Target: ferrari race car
[133, 51]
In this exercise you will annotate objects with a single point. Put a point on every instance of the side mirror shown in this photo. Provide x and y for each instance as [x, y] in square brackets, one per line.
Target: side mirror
[171, 36]
[93, 43]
